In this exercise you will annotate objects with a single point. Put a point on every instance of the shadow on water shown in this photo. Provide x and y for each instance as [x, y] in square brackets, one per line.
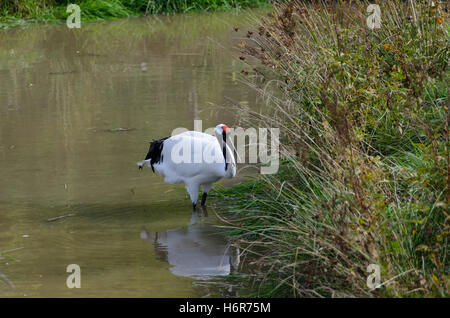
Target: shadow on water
[195, 250]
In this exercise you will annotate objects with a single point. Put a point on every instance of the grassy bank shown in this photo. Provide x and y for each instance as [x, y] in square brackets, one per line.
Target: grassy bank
[14, 13]
[364, 174]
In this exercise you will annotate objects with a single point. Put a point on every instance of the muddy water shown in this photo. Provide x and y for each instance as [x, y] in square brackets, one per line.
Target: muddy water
[77, 110]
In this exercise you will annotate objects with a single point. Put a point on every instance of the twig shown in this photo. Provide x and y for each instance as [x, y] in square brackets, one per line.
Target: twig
[7, 281]
[60, 217]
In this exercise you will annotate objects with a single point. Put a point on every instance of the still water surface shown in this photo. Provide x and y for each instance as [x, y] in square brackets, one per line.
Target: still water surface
[77, 110]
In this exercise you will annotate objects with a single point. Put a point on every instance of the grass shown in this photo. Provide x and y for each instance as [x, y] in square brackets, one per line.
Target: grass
[364, 174]
[15, 13]
[5, 259]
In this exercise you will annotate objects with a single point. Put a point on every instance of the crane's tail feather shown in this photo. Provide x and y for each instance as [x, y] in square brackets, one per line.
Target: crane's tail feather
[142, 163]
[154, 154]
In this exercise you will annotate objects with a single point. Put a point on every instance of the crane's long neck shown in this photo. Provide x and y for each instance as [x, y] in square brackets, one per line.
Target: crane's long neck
[229, 152]
[224, 149]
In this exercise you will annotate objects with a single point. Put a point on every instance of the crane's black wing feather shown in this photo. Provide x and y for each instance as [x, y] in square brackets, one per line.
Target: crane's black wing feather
[154, 153]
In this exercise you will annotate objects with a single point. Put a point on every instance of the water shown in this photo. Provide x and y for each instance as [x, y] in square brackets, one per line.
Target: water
[77, 110]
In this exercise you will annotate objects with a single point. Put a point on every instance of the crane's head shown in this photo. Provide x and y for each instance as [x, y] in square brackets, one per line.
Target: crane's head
[222, 131]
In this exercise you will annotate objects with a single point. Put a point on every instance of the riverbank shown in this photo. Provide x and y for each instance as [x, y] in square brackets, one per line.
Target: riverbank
[359, 205]
[17, 13]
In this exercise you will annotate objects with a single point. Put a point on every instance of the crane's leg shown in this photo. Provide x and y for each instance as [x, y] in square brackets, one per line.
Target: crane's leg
[205, 211]
[193, 190]
[205, 189]
[204, 198]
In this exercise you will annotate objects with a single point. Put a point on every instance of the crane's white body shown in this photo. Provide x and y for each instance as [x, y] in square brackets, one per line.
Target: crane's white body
[195, 159]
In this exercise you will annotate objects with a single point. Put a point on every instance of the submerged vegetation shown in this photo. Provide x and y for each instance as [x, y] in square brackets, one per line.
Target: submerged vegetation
[364, 174]
[13, 12]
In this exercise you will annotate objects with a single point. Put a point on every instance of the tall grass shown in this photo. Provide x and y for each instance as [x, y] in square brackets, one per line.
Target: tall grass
[364, 177]
[162, 6]
[13, 12]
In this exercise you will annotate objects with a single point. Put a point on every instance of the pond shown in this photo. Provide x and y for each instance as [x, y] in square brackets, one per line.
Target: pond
[77, 110]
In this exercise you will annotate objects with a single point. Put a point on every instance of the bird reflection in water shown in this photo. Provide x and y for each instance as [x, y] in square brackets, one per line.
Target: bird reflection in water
[195, 250]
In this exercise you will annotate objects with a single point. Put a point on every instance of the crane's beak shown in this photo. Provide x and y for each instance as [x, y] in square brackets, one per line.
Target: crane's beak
[236, 154]
[230, 143]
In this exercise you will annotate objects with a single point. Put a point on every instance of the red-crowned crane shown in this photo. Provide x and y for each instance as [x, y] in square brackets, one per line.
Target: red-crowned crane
[193, 158]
